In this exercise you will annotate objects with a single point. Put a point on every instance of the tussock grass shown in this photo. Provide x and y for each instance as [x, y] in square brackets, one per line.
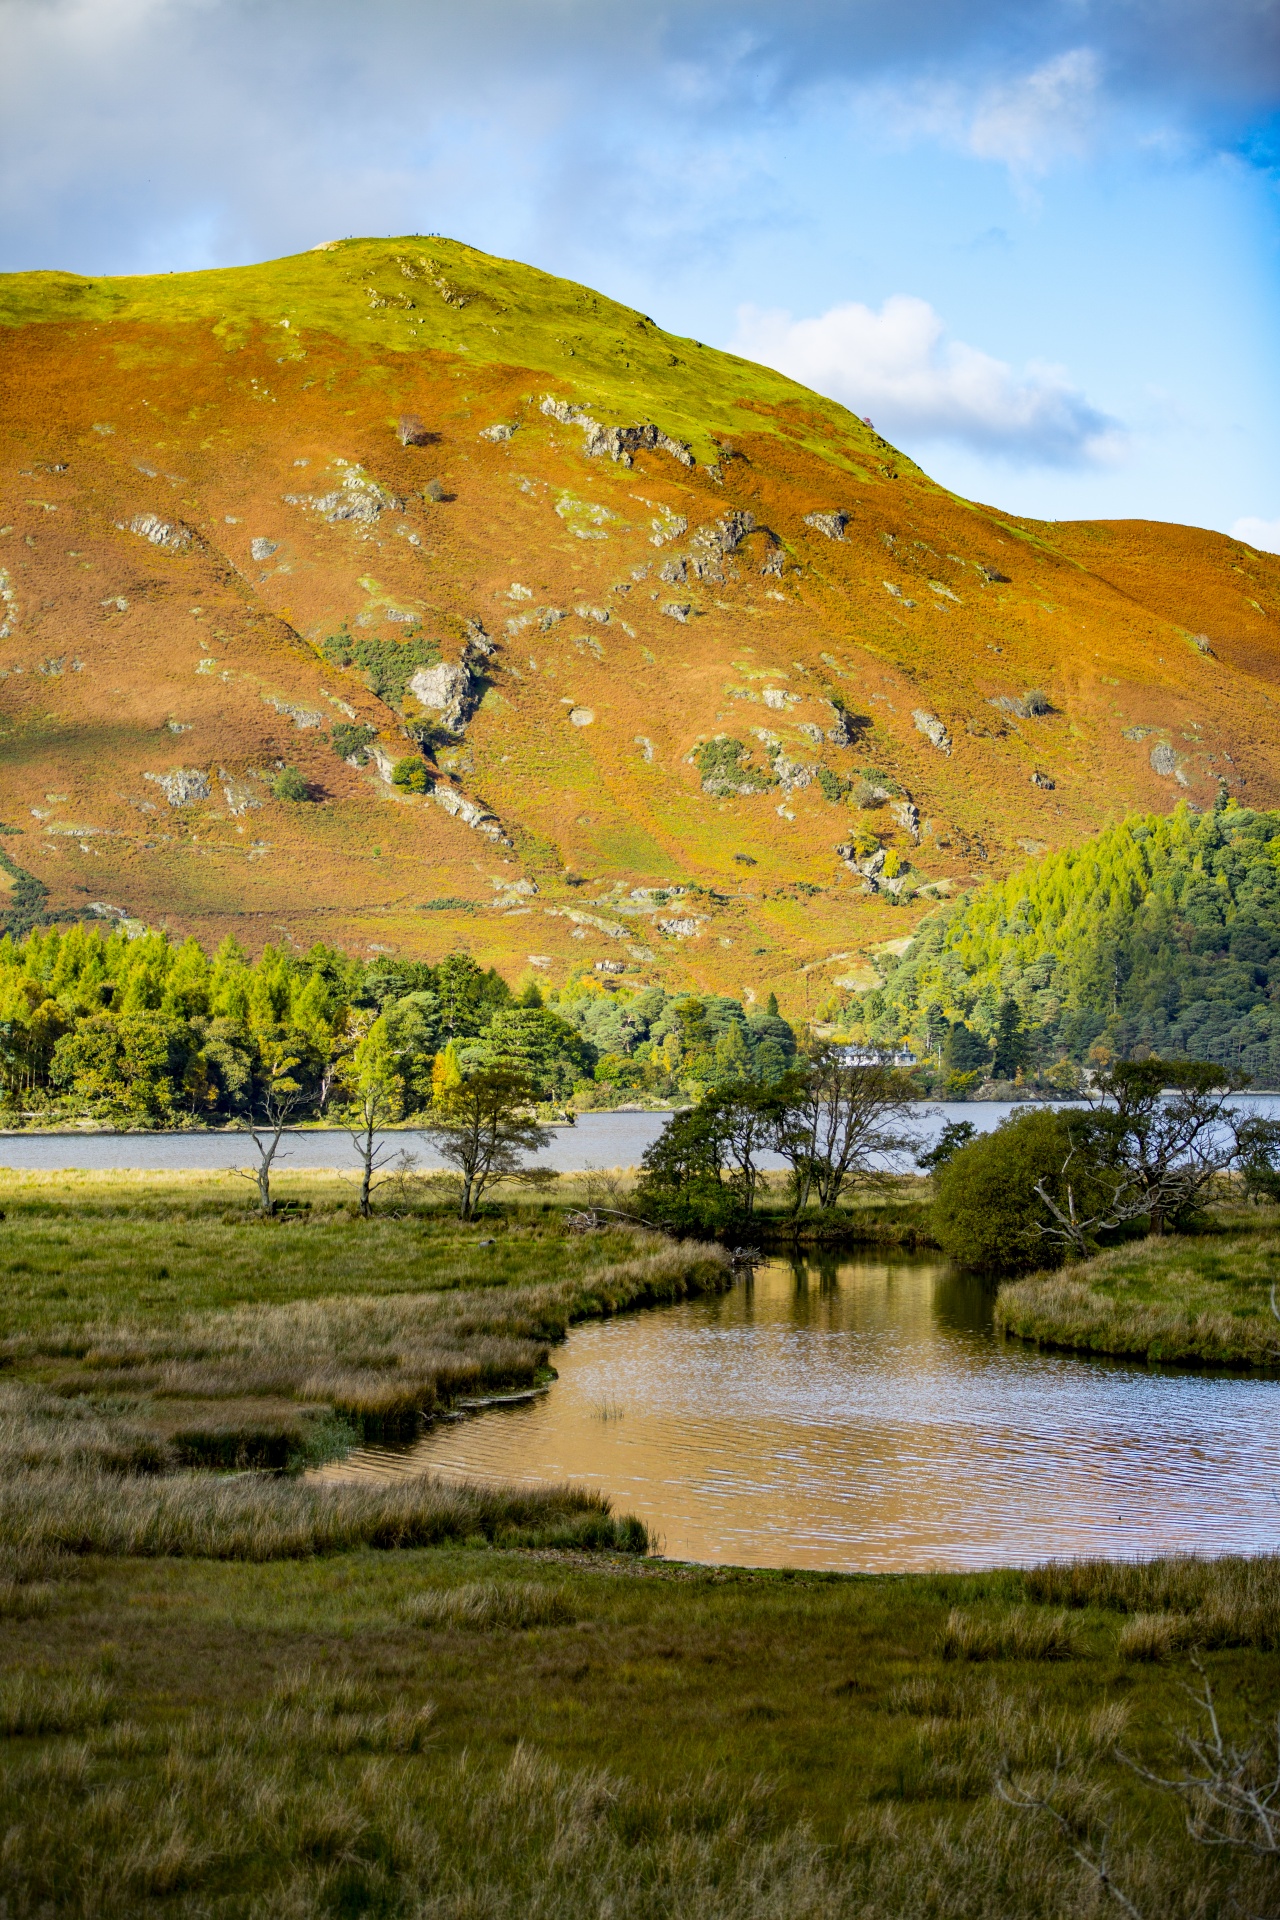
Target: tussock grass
[488, 1605]
[1232, 1602]
[1021, 1634]
[260, 1518]
[32, 1703]
[1180, 1300]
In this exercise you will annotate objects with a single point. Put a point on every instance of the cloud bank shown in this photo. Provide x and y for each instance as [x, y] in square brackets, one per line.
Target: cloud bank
[132, 128]
[898, 367]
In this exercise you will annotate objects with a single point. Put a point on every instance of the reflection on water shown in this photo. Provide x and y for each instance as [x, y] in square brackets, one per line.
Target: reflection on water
[862, 1415]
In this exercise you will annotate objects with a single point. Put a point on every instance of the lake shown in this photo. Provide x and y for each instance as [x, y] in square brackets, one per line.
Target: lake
[596, 1140]
[862, 1415]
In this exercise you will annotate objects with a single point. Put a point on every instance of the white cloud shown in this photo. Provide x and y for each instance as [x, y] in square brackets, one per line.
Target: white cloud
[1029, 122]
[1264, 534]
[898, 367]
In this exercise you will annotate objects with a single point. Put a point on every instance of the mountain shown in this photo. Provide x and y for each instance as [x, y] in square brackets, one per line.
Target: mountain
[701, 676]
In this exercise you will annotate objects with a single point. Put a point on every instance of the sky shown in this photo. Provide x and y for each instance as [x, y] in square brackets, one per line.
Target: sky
[1037, 242]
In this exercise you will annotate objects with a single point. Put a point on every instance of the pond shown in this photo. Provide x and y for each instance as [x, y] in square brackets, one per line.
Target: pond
[862, 1415]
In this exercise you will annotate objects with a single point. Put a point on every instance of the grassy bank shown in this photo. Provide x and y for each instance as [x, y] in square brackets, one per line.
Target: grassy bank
[1185, 1299]
[153, 1326]
[474, 1733]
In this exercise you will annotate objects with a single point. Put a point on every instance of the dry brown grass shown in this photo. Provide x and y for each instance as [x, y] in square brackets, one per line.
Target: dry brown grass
[1020, 1634]
[261, 1517]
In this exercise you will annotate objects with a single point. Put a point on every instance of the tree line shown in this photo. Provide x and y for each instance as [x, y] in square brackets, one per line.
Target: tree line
[1160, 935]
[146, 1032]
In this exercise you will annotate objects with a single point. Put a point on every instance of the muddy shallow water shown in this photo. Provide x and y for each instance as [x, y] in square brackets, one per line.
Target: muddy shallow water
[862, 1415]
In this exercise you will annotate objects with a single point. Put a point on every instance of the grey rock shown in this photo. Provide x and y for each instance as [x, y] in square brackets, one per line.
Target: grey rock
[620, 443]
[446, 690]
[183, 787]
[933, 730]
[772, 563]
[906, 814]
[300, 716]
[1039, 779]
[161, 533]
[263, 549]
[832, 525]
[677, 610]
[674, 572]
[239, 797]
[993, 576]
[499, 431]
[1164, 761]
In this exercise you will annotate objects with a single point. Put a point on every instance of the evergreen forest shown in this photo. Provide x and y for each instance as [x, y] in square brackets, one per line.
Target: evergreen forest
[1160, 935]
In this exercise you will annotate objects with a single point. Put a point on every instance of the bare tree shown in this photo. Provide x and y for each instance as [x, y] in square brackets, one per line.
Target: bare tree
[278, 1101]
[1174, 1128]
[483, 1127]
[377, 1101]
[1230, 1795]
[1093, 1854]
[841, 1123]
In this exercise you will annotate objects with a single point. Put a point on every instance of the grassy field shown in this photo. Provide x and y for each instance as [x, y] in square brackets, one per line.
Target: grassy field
[472, 1732]
[1190, 1299]
[254, 1693]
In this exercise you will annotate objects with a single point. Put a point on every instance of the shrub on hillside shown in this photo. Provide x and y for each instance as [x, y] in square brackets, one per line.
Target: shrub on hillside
[289, 784]
[409, 775]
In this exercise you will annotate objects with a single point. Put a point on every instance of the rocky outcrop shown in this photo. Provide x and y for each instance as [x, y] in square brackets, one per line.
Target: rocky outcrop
[356, 498]
[1039, 779]
[300, 716]
[447, 690]
[620, 443]
[170, 534]
[933, 730]
[906, 814]
[472, 813]
[831, 525]
[184, 787]
[240, 798]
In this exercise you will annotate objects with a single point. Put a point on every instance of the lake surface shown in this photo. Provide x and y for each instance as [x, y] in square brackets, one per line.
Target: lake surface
[863, 1416]
[597, 1140]
[605, 1140]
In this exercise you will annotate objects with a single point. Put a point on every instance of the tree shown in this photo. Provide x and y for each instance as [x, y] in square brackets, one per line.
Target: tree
[955, 1134]
[1174, 1130]
[682, 1181]
[840, 1123]
[376, 1101]
[483, 1128]
[289, 784]
[991, 1212]
[277, 1100]
[749, 1118]
[1012, 1047]
[537, 1043]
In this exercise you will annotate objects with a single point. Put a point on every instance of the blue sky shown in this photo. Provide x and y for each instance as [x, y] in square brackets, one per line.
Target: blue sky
[1038, 244]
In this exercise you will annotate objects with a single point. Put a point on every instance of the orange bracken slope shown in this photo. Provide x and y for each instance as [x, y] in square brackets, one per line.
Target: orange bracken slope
[204, 478]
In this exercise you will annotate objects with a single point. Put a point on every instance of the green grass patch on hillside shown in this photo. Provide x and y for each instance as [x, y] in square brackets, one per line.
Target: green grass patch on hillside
[1184, 1299]
[416, 294]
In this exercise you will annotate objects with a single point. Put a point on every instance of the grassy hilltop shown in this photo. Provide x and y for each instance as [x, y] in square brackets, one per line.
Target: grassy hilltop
[689, 678]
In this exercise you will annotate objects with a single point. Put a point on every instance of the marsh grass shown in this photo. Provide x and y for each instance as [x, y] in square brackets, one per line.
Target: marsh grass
[486, 1606]
[263, 1518]
[1187, 1300]
[347, 1761]
[1020, 1634]
[271, 1345]
[1183, 1600]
